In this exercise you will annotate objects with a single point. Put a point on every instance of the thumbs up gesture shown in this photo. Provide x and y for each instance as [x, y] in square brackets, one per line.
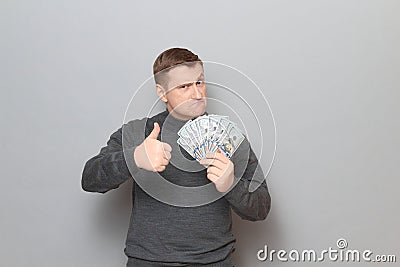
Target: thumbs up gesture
[153, 155]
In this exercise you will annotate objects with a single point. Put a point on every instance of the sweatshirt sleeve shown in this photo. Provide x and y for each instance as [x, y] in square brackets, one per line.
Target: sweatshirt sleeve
[250, 204]
[108, 170]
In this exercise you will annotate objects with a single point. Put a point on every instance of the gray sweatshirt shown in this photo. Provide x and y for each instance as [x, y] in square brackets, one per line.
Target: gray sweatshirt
[163, 234]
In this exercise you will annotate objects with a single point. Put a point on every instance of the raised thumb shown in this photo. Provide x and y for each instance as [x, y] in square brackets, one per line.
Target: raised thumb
[156, 131]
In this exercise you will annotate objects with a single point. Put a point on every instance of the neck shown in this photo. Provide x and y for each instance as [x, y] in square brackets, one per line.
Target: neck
[171, 122]
[178, 116]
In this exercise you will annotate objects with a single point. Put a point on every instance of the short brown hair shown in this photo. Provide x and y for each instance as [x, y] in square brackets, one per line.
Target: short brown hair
[172, 57]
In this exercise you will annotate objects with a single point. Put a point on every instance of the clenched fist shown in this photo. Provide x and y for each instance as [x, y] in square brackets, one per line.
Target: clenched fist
[152, 155]
[220, 170]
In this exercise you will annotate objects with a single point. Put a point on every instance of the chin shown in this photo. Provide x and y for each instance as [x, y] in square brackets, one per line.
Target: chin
[191, 112]
[199, 111]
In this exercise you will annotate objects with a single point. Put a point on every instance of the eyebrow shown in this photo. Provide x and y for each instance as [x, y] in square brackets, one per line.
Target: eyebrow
[189, 83]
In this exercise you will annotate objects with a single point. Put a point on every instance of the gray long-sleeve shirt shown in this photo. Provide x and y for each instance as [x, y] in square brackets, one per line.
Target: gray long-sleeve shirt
[161, 234]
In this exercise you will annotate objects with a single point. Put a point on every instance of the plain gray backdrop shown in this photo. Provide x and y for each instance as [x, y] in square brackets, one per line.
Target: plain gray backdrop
[329, 69]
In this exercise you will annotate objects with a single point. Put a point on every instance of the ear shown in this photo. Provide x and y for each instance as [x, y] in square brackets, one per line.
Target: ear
[161, 93]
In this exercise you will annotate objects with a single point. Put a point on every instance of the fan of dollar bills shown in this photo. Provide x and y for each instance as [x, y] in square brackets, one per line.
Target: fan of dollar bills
[209, 133]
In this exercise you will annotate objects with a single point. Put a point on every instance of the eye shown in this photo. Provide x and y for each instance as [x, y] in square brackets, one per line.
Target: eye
[199, 82]
[183, 86]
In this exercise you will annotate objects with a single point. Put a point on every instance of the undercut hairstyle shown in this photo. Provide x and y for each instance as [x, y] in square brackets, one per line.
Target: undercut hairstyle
[172, 57]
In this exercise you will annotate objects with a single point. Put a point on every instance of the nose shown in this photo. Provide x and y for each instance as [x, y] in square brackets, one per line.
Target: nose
[197, 94]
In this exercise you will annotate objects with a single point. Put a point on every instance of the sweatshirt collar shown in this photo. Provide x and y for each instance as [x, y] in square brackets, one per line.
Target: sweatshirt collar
[172, 122]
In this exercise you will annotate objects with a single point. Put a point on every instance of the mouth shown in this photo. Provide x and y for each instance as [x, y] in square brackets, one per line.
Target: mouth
[197, 102]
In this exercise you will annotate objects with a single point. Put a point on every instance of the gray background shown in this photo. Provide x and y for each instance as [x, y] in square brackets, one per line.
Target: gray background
[330, 70]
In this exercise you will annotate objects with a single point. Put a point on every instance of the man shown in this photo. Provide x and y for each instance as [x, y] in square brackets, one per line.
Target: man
[161, 234]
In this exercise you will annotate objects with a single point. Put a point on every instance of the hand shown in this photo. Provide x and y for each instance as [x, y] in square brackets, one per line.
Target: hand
[152, 155]
[220, 170]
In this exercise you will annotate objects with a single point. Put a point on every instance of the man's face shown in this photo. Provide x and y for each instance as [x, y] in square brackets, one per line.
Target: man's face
[186, 91]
